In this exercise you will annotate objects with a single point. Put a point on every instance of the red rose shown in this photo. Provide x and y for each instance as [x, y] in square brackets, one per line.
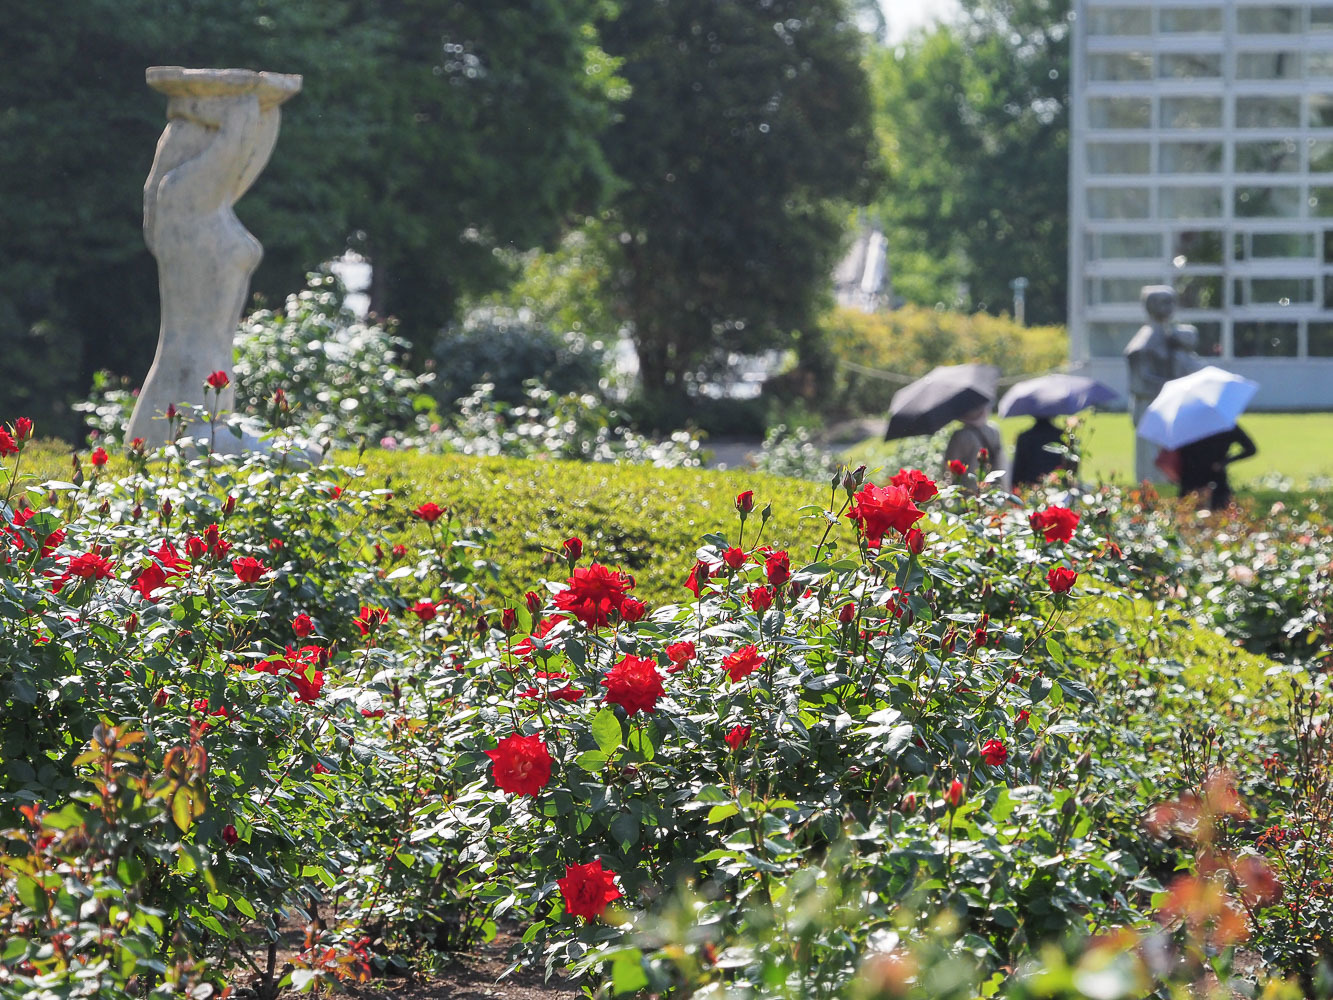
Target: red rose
[761, 599]
[1021, 719]
[161, 698]
[572, 549]
[229, 835]
[228, 505]
[171, 560]
[303, 626]
[22, 429]
[920, 486]
[149, 580]
[847, 613]
[218, 381]
[737, 737]
[877, 509]
[777, 567]
[679, 653]
[1061, 579]
[98, 457]
[520, 765]
[632, 609]
[745, 501]
[958, 468]
[734, 557]
[369, 619]
[373, 713]
[91, 566]
[7, 445]
[592, 595]
[1055, 524]
[534, 603]
[428, 512]
[508, 620]
[423, 609]
[742, 663]
[698, 577]
[634, 684]
[530, 645]
[915, 541]
[195, 547]
[248, 569]
[588, 890]
[994, 752]
[307, 680]
[954, 796]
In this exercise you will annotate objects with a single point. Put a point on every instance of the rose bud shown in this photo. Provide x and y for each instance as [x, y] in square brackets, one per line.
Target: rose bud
[745, 502]
[915, 541]
[508, 619]
[229, 835]
[534, 603]
[229, 504]
[847, 613]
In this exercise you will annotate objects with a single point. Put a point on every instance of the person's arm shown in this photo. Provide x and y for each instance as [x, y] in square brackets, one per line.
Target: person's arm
[1247, 448]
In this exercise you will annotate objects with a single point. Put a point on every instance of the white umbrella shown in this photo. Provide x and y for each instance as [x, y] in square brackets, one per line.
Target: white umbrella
[1189, 409]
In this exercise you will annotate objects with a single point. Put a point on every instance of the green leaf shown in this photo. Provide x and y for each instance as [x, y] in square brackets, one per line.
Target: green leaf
[625, 828]
[1055, 649]
[13, 949]
[641, 742]
[718, 813]
[182, 810]
[244, 905]
[31, 895]
[592, 761]
[627, 975]
[405, 859]
[606, 731]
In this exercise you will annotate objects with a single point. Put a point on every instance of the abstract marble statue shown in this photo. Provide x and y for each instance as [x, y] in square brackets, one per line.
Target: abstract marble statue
[1159, 352]
[221, 128]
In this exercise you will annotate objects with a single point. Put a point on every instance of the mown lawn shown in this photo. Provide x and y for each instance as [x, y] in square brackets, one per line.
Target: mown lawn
[1295, 446]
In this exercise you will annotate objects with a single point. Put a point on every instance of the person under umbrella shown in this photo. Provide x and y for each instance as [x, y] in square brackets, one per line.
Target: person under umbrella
[945, 394]
[1203, 465]
[1043, 397]
[977, 434]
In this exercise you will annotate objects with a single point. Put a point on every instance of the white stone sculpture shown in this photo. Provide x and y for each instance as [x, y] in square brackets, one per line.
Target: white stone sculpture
[221, 128]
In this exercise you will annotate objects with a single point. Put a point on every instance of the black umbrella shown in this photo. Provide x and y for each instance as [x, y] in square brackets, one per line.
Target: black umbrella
[942, 396]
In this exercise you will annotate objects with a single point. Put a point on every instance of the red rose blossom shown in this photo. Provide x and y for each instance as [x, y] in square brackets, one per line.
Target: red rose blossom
[745, 501]
[742, 663]
[369, 619]
[217, 380]
[520, 765]
[98, 457]
[632, 609]
[737, 737]
[958, 468]
[428, 512]
[954, 796]
[877, 509]
[572, 549]
[149, 580]
[1061, 579]
[303, 626]
[1055, 524]
[91, 566]
[529, 645]
[915, 541]
[760, 599]
[7, 445]
[917, 483]
[777, 567]
[195, 547]
[592, 595]
[699, 575]
[588, 890]
[734, 557]
[425, 610]
[248, 569]
[679, 653]
[634, 684]
[994, 752]
[229, 835]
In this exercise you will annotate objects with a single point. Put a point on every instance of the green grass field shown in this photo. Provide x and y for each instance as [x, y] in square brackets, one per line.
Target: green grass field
[1295, 446]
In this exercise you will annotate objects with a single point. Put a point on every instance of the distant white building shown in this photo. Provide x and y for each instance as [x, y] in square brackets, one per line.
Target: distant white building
[1201, 156]
[860, 280]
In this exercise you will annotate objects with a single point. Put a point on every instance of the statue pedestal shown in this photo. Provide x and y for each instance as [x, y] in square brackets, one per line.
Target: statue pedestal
[222, 125]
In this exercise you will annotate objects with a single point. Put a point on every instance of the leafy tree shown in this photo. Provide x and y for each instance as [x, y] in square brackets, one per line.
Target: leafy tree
[976, 124]
[745, 119]
[428, 132]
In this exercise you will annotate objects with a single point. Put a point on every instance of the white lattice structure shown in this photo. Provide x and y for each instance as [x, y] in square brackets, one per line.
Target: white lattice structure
[1201, 156]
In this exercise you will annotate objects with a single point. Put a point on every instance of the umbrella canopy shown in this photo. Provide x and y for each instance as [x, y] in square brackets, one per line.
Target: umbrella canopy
[931, 402]
[1055, 395]
[1192, 408]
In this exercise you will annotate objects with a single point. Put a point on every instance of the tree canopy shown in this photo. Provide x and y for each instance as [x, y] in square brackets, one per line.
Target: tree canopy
[429, 133]
[975, 119]
[746, 121]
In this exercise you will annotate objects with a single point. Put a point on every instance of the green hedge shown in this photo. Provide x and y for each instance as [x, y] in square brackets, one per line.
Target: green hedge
[646, 521]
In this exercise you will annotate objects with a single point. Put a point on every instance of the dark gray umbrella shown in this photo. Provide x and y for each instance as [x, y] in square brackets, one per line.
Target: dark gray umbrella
[942, 396]
[1055, 395]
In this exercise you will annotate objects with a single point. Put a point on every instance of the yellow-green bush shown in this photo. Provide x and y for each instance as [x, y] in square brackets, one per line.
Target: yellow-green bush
[913, 340]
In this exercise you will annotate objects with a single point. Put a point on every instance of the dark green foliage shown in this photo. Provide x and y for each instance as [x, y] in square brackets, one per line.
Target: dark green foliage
[744, 119]
[976, 119]
[428, 131]
[506, 348]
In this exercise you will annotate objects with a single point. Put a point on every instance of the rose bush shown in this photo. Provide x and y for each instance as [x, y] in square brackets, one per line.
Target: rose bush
[345, 734]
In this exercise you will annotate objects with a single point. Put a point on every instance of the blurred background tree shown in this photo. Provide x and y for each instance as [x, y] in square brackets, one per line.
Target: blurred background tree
[975, 121]
[428, 133]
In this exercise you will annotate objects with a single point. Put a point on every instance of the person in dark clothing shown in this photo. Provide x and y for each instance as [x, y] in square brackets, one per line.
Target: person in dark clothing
[1203, 464]
[1032, 462]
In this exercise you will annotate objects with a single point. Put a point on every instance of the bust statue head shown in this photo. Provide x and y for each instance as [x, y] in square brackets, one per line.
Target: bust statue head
[1159, 301]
